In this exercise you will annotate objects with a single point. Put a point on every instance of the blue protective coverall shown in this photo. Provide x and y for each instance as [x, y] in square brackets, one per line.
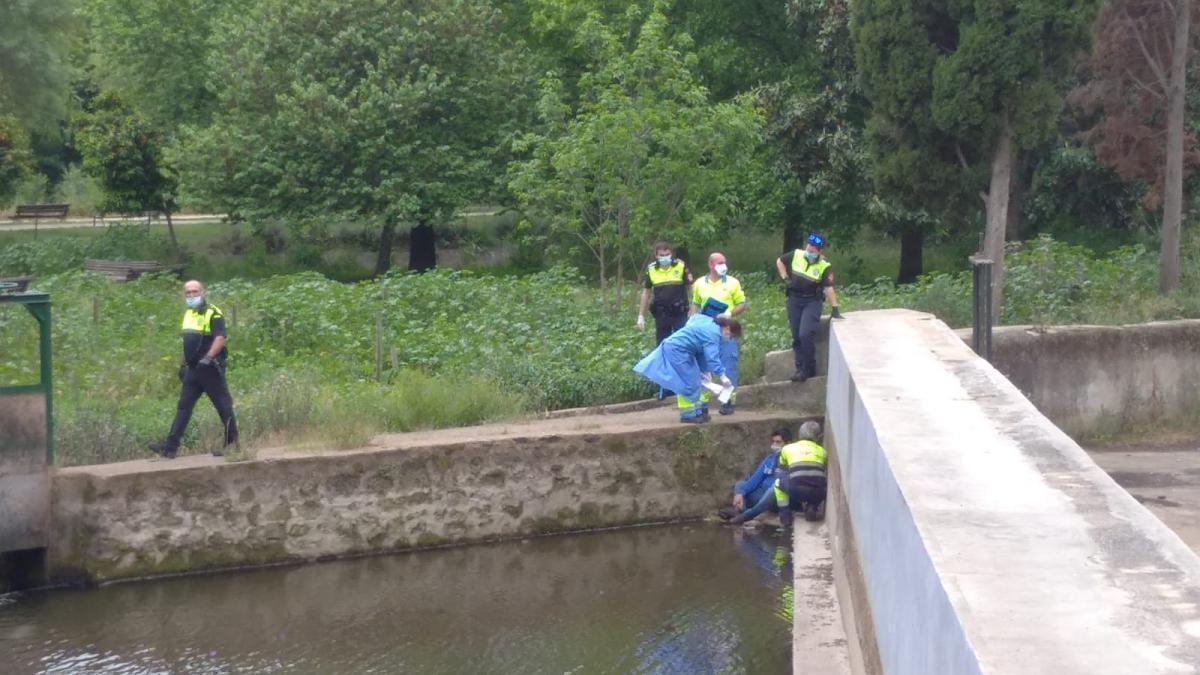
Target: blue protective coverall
[679, 361]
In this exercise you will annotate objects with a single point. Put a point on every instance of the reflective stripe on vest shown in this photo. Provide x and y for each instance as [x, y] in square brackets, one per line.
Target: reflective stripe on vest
[806, 470]
[196, 322]
[671, 275]
[802, 268]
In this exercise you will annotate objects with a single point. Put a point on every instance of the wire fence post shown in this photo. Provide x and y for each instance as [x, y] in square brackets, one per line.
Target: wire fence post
[981, 286]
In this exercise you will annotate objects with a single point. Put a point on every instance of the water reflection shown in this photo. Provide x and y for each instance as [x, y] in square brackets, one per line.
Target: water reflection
[682, 599]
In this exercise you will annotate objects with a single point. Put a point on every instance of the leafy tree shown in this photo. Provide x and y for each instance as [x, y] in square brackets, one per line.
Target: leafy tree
[397, 110]
[815, 122]
[1138, 90]
[34, 68]
[155, 53]
[641, 154]
[957, 88]
[14, 156]
[124, 151]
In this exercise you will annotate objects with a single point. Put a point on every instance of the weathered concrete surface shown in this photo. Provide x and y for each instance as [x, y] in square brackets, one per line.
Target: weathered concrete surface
[1101, 380]
[146, 518]
[780, 365]
[818, 637]
[784, 395]
[1163, 478]
[988, 541]
[24, 481]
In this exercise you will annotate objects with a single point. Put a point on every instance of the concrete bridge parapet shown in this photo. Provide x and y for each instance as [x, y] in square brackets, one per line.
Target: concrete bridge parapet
[973, 536]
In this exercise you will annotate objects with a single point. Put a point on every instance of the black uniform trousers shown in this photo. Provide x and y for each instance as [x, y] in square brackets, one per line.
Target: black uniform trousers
[667, 322]
[804, 315]
[199, 380]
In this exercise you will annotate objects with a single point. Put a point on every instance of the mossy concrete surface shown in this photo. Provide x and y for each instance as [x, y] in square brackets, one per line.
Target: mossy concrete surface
[149, 518]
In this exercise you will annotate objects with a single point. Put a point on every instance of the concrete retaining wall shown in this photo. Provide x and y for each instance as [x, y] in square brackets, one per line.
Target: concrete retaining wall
[139, 519]
[1089, 380]
[1100, 380]
[24, 481]
[976, 537]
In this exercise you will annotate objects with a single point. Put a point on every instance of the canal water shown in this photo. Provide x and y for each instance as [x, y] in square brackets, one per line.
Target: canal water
[674, 599]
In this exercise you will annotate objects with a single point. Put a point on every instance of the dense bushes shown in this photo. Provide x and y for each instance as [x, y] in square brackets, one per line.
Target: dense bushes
[456, 347]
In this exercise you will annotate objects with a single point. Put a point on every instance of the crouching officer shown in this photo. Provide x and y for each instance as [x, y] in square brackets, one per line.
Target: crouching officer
[800, 476]
[203, 370]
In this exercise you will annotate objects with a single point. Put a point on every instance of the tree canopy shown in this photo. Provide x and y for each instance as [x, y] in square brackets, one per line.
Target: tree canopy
[641, 153]
[388, 109]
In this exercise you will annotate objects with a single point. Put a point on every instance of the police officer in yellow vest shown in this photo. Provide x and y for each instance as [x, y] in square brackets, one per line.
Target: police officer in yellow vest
[800, 481]
[718, 285]
[203, 370]
[669, 282]
[809, 278]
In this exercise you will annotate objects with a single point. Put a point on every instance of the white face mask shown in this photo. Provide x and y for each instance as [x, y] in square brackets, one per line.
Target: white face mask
[721, 269]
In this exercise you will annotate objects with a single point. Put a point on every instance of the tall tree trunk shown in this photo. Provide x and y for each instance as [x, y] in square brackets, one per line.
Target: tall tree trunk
[1014, 222]
[620, 275]
[997, 212]
[1168, 271]
[171, 234]
[603, 277]
[386, 236]
[422, 248]
[912, 255]
[793, 229]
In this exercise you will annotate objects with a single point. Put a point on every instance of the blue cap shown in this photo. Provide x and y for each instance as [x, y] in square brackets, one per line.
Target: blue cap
[817, 240]
[712, 307]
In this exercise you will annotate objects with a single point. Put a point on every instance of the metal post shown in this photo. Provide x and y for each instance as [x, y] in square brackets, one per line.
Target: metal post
[981, 330]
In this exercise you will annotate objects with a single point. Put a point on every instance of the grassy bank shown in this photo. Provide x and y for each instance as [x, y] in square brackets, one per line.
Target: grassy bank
[315, 361]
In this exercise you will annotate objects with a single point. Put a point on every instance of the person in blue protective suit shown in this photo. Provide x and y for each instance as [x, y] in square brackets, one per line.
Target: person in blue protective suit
[757, 490]
[685, 357]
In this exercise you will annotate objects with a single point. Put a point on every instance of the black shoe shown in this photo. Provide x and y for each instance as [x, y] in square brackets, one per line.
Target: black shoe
[162, 449]
[726, 409]
[726, 513]
[799, 376]
[738, 519]
[698, 419]
[810, 512]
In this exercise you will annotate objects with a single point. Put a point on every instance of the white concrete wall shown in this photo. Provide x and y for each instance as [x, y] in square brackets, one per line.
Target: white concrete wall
[988, 540]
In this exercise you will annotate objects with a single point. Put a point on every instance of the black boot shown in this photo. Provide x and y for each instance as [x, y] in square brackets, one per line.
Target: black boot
[163, 449]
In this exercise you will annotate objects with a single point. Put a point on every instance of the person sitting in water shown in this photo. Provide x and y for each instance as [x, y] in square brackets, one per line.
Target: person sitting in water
[757, 490]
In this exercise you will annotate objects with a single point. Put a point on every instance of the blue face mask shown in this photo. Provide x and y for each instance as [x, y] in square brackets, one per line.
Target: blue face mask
[811, 256]
[665, 260]
[195, 302]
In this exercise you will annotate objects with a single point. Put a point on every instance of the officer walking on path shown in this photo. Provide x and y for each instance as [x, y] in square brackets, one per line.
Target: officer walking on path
[203, 369]
[667, 286]
[809, 278]
[719, 286]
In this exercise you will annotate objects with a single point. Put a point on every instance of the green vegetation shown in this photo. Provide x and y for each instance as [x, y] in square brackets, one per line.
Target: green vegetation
[456, 347]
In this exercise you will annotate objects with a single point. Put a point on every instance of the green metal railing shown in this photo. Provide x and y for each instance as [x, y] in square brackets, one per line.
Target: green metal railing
[38, 305]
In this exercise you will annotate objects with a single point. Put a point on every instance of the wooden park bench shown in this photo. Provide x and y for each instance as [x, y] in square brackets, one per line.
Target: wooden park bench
[14, 284]
[128, 270]
[36, 212]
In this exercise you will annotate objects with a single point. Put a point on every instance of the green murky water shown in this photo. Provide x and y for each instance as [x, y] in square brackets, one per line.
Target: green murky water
[678, 599]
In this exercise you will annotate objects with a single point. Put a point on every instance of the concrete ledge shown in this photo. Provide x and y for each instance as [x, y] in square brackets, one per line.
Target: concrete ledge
[147, 518]
[808, 396]
[988, 541]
